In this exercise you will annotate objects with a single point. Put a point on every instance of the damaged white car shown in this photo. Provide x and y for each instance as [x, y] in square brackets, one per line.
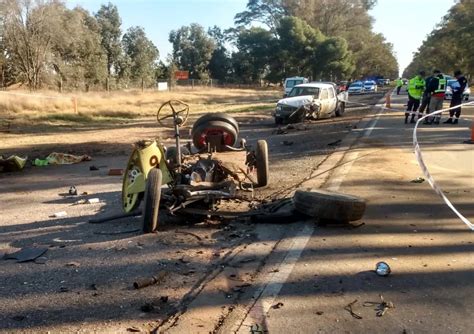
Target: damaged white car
[310, 101]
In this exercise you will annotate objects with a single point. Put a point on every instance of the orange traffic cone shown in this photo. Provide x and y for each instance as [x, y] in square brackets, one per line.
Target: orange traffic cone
[387, 100]
[471, 141]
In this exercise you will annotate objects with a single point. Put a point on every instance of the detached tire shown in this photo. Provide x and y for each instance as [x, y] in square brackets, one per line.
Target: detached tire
[261, 155]
[328, 205]
[341, 109]
[152, 200]
[221, 117]
[200, 132]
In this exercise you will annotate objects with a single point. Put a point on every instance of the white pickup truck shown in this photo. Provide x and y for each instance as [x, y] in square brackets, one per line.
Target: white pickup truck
[312, 100]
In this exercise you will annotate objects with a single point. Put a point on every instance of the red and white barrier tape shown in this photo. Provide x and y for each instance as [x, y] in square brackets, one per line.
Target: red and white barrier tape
[425, 170]
[419, 156]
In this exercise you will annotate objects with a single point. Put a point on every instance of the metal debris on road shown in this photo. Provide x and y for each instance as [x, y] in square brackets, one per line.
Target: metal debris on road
[287, 143]
[117, 232]
[26, 254]
[189, 233]
[418, 180]
[72, 191]
[381, 307]
[115, 172]
[59, 214]
[348, 308]
[147, 281]
[73, 264]
[277, 305]
[382, 269]
[334, 143]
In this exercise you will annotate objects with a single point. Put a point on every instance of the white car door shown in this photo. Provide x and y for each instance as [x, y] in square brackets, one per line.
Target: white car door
[324, 98]
[332, 101]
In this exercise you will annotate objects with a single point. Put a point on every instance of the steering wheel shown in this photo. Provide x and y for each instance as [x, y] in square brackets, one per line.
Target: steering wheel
[171, 112]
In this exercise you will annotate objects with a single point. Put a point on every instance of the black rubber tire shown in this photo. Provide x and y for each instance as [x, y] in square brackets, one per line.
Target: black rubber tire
[341, 109]
[152, 200]
[221, 117]
[261, 155]
[224, 126]
[329, 205]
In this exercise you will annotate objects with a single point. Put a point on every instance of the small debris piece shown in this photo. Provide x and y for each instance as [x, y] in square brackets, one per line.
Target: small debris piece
[117, 232]
[277, 305]
[164, 299]
[418, 180]
[93, 167]
[144, 282]
[63, 289]
[115, 172]
[334, 143]
[133, 329]
[287, 143]
[257, 329]
[19, 317]
[59, 214]
[148, 307]
[26, 254]
[73, 191]
[84, 193]
[381, 307]
[189, 233]
[348, 308]
[382, 269]
[93, 287]
[319, 312]
[247, 260]
[73, 264]
[93, 200]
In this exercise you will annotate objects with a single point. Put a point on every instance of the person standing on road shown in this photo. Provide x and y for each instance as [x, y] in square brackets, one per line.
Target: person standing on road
[437, 89]
[425, 100]
[458, 88]
[399, 85]
[416, 86]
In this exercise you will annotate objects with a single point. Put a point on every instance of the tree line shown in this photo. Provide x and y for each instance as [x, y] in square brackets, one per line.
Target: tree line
[45, 44]
[450, 46]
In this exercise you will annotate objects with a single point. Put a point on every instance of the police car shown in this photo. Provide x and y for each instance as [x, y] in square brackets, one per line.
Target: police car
[453, 85]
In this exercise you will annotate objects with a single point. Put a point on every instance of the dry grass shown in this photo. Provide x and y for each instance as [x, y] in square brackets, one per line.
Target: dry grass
[122, 106]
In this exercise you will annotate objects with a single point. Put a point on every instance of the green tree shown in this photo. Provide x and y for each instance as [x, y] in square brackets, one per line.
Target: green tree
[109, 22]
[450, 45]
[29, 28]
[220, 63]
[78, 57]
[267, 12]
[142, 53]
[251, 63]
[192, 50]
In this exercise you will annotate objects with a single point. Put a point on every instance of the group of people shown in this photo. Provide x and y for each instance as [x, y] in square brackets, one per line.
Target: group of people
[430, 93]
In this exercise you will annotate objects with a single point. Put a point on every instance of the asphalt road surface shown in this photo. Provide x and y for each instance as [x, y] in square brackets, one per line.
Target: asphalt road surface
[238, 276]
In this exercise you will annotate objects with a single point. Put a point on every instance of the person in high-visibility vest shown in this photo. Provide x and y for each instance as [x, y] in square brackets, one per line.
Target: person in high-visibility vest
[437, 88]
[399, 85]
[416, 86]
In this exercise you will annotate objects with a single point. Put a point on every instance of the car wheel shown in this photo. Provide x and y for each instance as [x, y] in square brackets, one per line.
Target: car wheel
[328, 205]
[152, 200]
[261, 155]
[341, 109]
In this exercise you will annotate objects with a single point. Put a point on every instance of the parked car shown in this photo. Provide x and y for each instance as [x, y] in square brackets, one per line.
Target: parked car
[380, 82]
[449, 90]
[310, 101]
[292, 82]
[370, 86]
[356, 88]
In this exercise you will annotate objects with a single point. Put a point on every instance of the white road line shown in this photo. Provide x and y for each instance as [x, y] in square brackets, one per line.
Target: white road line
[265, 296]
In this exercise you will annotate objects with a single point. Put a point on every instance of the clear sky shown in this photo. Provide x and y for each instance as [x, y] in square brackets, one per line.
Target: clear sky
[405, 23]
